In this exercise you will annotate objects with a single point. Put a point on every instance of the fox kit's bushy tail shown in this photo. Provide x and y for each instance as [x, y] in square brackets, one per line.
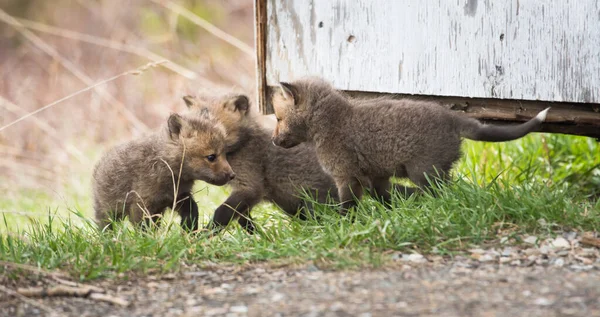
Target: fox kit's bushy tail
[475, 130]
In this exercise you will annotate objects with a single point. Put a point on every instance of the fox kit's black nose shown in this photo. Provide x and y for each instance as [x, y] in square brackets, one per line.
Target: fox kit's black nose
[231, 176]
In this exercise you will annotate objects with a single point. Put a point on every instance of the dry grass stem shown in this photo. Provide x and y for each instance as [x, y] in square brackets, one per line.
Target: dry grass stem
[38, 42]
[71, 150]
[249, 51]
[129, 72]
[139, 51]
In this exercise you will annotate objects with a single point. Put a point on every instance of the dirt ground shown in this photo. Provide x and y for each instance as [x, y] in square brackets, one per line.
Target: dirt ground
[558, 277]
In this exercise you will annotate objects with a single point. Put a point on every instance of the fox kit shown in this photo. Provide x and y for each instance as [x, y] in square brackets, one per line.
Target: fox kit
[264, 171]
[363, 143]
[142, 177]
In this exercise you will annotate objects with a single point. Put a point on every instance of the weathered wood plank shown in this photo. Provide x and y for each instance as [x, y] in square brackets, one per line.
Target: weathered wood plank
[513, 49]
[260, 42]
[566, 118]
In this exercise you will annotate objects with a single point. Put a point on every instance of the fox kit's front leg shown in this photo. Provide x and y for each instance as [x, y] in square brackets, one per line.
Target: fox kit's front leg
[188, 210]
[238, 205]
[350, 191]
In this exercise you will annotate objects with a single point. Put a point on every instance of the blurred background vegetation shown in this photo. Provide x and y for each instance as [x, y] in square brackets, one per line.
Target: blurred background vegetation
[51, 49]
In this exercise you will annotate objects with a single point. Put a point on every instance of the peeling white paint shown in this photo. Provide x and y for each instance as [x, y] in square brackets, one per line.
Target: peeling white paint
[513, 49]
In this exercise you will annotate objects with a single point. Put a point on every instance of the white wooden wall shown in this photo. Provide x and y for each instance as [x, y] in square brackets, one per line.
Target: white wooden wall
[513, 49]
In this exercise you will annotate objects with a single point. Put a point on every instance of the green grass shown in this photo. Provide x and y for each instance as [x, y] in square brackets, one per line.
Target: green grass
[538, 185]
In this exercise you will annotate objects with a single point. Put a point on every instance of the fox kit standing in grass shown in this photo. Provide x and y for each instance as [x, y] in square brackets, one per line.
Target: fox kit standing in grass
[364, 143]
[264, 171]
[143, 177]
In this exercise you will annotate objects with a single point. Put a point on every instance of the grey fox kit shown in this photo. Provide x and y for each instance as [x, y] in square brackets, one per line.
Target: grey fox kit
[362, 143]
[264, 171]
[141, 177]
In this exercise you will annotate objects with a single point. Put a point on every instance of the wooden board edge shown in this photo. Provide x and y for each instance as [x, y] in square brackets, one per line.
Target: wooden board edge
[564, 117]
[260, 40]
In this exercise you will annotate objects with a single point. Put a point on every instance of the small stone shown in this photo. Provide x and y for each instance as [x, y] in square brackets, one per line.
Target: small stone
[540, 261]
[215, 311]
[196, 274]
[531, 251]
[337, 306]
[588, 252]
[542, 222]
[312, 268]
[516, 263]
[493, 253]
[506, 252]
[240, 309]
[462, 264]
[214, 290]
[505, 260]
[544, 249]
[414, 257]
[503, 240]
[251, 290]
[531, 240]
[560, 262]
[583, 260]
[572, 235]
[560, 243]
[542, 301]
[486, 258]
[577, 267]
[477, 251]
[277, 297]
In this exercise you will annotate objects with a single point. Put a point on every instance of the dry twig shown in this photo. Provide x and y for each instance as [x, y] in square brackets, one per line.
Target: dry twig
[591, 241]
[60, 290]
[109, 299]
[92, 288]
[63, 290]
[29, 301]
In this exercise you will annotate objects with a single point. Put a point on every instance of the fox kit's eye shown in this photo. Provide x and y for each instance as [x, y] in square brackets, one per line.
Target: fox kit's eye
[211, 158]
[278, 119]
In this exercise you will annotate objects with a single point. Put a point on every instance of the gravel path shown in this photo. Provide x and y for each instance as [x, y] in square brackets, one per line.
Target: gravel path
[548, 279]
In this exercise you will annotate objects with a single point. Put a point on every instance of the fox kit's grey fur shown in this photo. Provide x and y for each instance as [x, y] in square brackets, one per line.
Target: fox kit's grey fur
[364, 143]
[264, 171]
[139, 178]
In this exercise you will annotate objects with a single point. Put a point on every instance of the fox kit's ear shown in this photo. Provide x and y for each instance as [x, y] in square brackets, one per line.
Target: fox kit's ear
[239, 103]
[190, 101]
[175, 124]
[288, 91]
